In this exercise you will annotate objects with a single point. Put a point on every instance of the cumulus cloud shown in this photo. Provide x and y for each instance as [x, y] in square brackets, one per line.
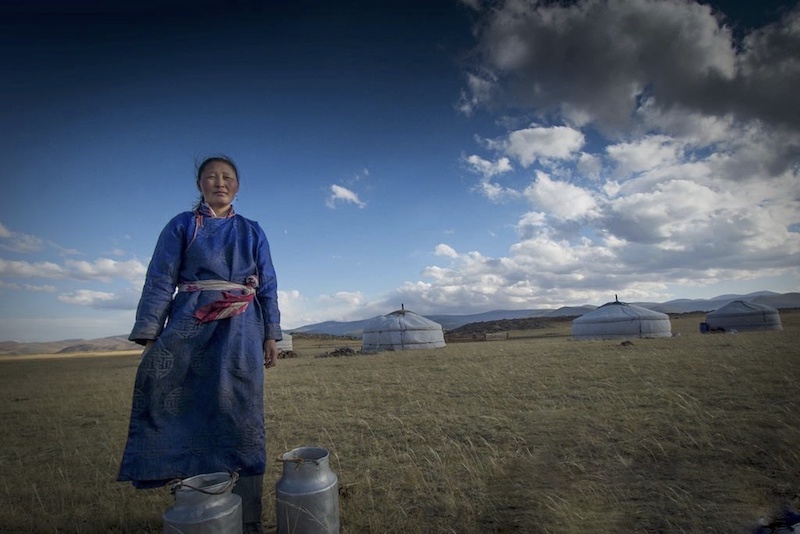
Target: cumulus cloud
[86, 297]
[767, 74]
[675, 229]
[105, 269]
[487, 168]
[445, 250]
[104, 300]
[527, 146]
[664, 149]
[643, 146]
[559, 199]
[102, 269]
[654, 211]
[18, 241]
[298, 309]
[643, 154]
[25, 269]
[351, 298]
[603, 58]
[339, 193]
[32, 288]
[589, 166]
[531, 144]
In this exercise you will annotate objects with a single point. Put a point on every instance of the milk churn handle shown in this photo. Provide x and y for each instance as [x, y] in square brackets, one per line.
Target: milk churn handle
[181, 484]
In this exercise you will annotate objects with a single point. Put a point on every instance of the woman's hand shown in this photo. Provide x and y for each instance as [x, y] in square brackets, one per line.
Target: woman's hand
[270, 353]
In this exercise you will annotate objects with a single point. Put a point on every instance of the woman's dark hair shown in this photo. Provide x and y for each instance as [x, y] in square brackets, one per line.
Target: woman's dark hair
[212, 159]
[205, 163]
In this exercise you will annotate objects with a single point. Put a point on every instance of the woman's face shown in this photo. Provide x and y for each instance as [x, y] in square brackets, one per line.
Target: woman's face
[219, 184]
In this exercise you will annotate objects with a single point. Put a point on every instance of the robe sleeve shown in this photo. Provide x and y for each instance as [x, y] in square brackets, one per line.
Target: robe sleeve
[160, 282]
[267, 293]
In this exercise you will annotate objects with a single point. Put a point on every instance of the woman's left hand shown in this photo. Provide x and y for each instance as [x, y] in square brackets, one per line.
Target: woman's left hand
[270, 353]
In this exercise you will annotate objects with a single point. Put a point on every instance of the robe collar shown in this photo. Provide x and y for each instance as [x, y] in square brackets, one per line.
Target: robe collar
[204, 210]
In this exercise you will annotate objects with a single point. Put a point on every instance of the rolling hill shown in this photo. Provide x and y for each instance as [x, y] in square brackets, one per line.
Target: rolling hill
[448, 322]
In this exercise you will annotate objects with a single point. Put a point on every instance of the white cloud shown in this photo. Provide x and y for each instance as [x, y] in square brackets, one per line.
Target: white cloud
[24, 269]
[480, 89]
[104, 300]
[349, 298]
[27, 287]
[105, 269]
[445, 250]
[589, 166]
[292, 305]
[643, 154]
[530, 144]
[486, 168]
[559, 199]
[681, 159]
[531, 224]
[677, 217]
[662, 215]
[495, 192]
[342, 194]
[661, 154]
[694, 128]
[18, 242]
[768, 71]
[588, 59]
[298, 309]
[102, 269]
[86, 297]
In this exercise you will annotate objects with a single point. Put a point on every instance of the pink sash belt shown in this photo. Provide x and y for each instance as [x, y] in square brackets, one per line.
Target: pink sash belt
[230, 304]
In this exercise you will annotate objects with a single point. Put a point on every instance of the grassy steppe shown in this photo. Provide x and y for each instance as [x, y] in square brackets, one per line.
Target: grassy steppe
[539, 433]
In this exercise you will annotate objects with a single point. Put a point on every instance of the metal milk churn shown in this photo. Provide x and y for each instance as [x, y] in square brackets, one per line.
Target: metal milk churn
[307, 494]
[204, 504]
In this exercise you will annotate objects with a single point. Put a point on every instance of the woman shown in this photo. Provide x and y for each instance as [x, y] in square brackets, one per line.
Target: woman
[198, 397]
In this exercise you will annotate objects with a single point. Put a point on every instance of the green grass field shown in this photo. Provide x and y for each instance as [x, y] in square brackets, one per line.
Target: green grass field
[538, 433]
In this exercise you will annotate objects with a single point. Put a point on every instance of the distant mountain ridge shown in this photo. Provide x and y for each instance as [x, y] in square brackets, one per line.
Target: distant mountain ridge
[448, 322]
[768, 298]
[110, 344]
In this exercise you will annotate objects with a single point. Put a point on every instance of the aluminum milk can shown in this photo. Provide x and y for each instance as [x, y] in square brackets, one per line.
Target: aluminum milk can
[204, 504]
[307, 494]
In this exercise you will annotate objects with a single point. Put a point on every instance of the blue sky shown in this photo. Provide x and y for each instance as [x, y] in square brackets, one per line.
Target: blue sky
[443, 155]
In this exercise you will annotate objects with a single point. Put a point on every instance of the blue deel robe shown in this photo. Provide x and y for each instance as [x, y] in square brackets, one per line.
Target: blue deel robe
[198, 401]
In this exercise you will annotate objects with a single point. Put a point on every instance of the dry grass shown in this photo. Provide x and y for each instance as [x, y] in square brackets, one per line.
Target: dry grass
[538, 433]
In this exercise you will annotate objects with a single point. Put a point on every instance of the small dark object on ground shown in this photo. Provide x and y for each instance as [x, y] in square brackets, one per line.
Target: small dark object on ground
[627, 343]
[341, 351]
